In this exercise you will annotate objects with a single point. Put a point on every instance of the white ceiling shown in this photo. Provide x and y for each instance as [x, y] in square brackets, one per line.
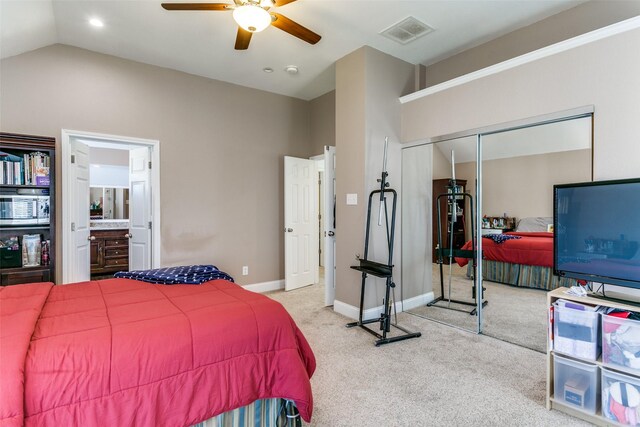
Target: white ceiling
[202, 43]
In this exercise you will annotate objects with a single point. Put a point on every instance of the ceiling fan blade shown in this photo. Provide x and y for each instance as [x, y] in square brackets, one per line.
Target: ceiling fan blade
[196, 6]
[242, 39]
[295, 29]
[282, 2]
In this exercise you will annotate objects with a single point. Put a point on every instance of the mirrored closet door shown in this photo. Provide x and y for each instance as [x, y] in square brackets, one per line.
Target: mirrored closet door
[512, 187]
[519, 169]
[438, 219]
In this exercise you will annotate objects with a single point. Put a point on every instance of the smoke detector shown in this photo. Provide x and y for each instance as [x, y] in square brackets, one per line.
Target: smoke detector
[291, 69]
[407, 30]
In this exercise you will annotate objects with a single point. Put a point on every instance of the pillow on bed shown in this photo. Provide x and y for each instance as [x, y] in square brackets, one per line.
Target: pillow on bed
[534, 223]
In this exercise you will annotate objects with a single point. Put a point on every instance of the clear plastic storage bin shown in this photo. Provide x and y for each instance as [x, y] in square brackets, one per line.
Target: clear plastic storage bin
[621, 343]
[620, 398]
[576, 332]
[576, 384]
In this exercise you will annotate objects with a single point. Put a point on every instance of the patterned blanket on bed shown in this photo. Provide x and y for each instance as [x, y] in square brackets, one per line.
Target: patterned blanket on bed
[185, 274]
[500, 238]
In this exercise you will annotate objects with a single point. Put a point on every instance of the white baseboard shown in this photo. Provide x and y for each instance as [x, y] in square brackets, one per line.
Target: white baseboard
[418, 301]
[265, 286]
[352, 312]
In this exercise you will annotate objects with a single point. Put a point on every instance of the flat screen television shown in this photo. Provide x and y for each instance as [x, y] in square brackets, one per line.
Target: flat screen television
[596, 227]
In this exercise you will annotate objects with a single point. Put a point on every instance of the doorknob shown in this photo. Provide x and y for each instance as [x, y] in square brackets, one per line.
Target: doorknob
[331, 234]
[288, 230]
[128, 236]
[91, 238]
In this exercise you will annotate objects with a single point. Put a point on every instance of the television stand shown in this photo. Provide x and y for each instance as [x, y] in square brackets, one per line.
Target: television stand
[613, 299]
[556, 402]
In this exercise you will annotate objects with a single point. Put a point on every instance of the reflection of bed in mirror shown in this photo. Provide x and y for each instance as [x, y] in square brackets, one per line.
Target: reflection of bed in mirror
[525, 259]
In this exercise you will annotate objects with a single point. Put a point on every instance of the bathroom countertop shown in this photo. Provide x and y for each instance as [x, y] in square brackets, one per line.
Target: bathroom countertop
[108, 224]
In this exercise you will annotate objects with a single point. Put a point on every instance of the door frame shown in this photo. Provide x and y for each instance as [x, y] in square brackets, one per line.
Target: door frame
[329, 262]
[68, 198]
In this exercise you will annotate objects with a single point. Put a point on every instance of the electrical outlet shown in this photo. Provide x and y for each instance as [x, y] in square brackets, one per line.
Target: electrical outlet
[245, 270]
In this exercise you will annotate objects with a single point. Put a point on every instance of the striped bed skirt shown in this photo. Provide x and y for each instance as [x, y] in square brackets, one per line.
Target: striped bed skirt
[524, 276]
[261, 413]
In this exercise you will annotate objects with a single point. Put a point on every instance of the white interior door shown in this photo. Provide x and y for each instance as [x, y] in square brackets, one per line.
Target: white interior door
[139, 209]
[81, 256]
[300, 222]
[329, 219]
[321, 211]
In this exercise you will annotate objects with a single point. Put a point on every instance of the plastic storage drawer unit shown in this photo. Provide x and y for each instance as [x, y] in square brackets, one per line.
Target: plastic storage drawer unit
[576, 384]
[621, 343]
[620, 397]
[576, 332]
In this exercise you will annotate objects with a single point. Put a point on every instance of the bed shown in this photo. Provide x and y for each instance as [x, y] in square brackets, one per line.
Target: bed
[526, 261]
[123, 352]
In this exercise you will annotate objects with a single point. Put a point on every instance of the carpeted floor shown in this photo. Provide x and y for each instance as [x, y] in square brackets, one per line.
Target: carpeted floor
[447, 377]
[516, 315]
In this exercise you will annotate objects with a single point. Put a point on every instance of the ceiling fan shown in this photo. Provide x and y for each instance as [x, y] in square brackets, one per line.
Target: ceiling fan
[253, 16]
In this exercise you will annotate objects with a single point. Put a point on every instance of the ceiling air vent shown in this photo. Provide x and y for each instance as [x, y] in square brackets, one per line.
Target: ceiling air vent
[407, 30]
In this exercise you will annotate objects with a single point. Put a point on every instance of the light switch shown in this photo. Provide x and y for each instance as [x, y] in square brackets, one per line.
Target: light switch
[352, 199]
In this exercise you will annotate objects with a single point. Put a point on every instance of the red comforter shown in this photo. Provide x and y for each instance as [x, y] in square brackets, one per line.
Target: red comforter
[533, 248]
[123, 353]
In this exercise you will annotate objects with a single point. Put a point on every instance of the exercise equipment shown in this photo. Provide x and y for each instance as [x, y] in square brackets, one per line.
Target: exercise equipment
[452, 195]
[381, 270]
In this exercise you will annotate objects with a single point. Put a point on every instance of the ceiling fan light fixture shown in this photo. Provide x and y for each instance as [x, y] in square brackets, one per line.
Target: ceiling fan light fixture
[252, 18]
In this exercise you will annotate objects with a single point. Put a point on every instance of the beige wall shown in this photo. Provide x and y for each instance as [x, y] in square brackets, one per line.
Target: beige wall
[322, 122]
[221, 146]
[523, 186]
[368, 84]
[562, 26]
[575, 78]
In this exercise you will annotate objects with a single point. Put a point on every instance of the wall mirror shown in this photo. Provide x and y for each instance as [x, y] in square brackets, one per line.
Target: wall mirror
[518, 169]
[108, 203]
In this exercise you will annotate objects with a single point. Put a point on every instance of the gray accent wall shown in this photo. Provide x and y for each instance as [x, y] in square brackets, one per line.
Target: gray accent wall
[575, 78]
[323, 122]
[221, 147]
[573, 22]
[368, 85]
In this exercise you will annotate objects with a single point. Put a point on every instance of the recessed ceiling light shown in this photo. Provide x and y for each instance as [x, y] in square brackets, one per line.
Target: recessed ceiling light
[267, 70]
[96, 22]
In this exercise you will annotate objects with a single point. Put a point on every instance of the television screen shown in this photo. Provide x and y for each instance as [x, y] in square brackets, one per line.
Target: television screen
[597, 231]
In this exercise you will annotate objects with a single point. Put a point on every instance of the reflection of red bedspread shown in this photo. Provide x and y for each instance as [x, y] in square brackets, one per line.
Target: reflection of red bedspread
[120, 353]
[533, 248]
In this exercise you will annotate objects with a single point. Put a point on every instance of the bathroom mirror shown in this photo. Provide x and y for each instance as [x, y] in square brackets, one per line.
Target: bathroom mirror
[109, 203]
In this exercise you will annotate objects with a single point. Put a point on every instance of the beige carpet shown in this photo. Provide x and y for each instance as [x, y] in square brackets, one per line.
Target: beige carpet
[447, 377]
[516, 315]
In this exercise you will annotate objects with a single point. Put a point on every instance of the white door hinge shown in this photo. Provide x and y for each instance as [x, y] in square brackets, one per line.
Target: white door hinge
[73, 226]
[149, 225]
[73, 158]
[149, 165]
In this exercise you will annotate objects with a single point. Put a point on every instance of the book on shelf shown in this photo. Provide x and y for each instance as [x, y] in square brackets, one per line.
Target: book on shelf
[42, 175]
[30, 169]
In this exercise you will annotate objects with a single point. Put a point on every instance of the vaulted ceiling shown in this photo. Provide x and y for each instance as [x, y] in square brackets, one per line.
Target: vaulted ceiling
[202, 42]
